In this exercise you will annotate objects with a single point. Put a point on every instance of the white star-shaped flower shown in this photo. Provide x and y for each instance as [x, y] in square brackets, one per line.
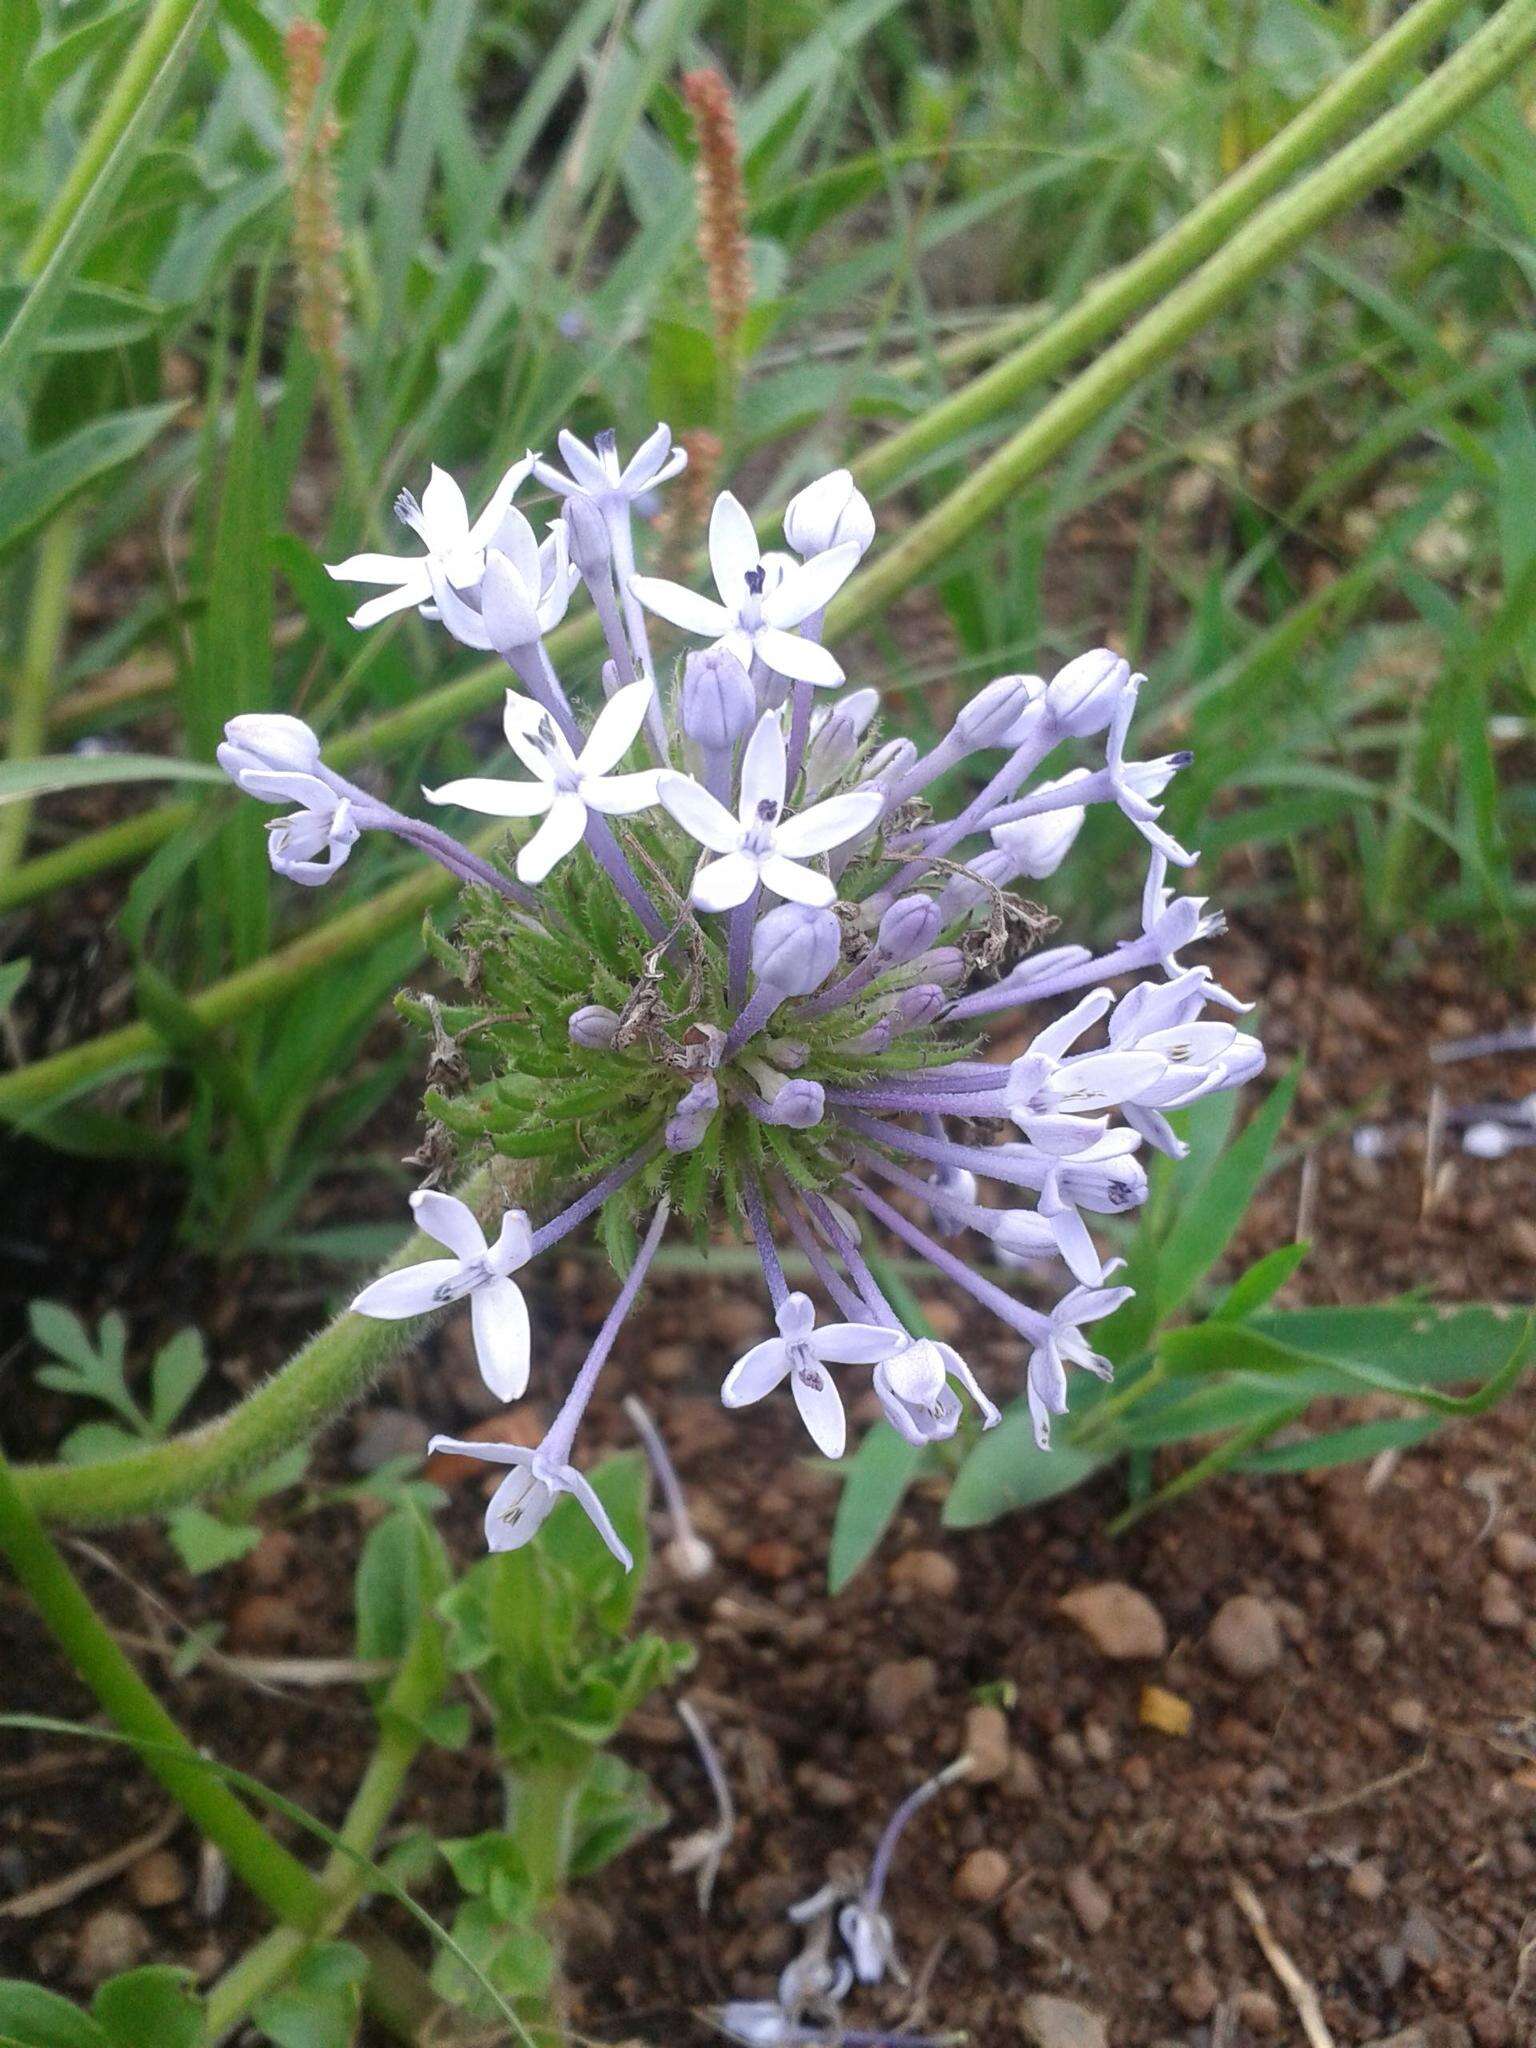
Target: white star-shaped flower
[521, 1504]
[912, 1385]
[597, 473]
[758, 844]
[476, 1269]
[1064, 1345]
[566, 786]
[454, 547]
[754, 616]
[801, 1354]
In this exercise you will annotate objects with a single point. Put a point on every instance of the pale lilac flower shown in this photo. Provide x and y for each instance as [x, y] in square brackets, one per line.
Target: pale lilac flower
[477, 1269]
[566, 786]
[315, 841]
[912, 1385]
[801, 1353]
[522, 594]
[455, 548]
[1083, 696]
[597, 474]
[1169, 923]
[751, 618]
[266, 743]
[758, 845]
[310, 845]
[1135, 783]
[831, 512]
[835, 733]
[521, 1504]
[1062, 1345]
[1048, 1080]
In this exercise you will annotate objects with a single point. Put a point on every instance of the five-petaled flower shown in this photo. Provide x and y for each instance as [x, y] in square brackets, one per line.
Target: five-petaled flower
[521, 1504]
[801, 1353]
[454, 546]
[597, 473]
[912, 1385]
[755, 614]
[1061, 1344]
[478, 1269]
[758, 845]
[566, 785]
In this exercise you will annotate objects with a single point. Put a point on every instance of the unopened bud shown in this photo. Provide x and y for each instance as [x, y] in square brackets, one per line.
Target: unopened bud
[952, 1190]
[593, 1027]
[271, 742]
[718, 704]
[1081, 697]
[795, 948]
[916, 1008]
[908, 928]
[988, 720]
[827, 513]
[835, 736]
[945, 965]
[693, 1115]
[963, 892]
[586, 536]
[798, 1105]
[507, 605]
[888, 764]
[1037, 846]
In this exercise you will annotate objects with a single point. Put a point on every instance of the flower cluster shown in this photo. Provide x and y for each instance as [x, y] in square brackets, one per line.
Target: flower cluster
[742, 966]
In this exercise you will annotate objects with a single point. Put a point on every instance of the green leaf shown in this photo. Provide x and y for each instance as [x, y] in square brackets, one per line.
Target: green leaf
[1208, 1216]
[61, 1331]
[203, 1542]
[321, 2004]
[31, 2017]
[175, 1376]
[1258, 1286]
[615, 1807]
[21, 781]
[157, 2004]
[93, 1441]
[1007, 1470]
[34, 488]
[89, 316]
[874, 1486]
[13, 977]
[1343, 1446]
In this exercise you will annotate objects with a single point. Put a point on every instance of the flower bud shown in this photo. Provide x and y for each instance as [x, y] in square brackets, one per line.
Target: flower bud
[507, 605]
[917, 1007]
[834, 738]
[990, 717]
[1022, 1234]
[593, 1027]
[718, 703]
[961, 893]
[798, 1105]
[944, 965]
[795, 948]
[908, 928]
[827, 513]
[888, 764]
[1037, 846]
[586, 536]
[693, 1115]
[269, 741]
[953, 1191]
[1081, 697]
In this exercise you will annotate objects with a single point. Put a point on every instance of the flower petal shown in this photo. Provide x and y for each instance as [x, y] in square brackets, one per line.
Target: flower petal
[416, 591]
[796, 884]
[532, 734]
[376, 569]
[497, 504]
[642, 467]
[821, 1409]
[856, 1343]
[560, 831]
[702, 816]
[583, 463]
[756, 1373]
[733, 549]
[830, 823]
[791, 654]
[616, 728]
[445, 512]
[796, 1316]
[514, 1243]
[620, 796]
[597, 1515]
[486, 1453]
[410, 1292]
[722, 884]
[811, 585]
[680, 606]
[763, 770]
[495, 798]
[499, 1315]
[450, 1221]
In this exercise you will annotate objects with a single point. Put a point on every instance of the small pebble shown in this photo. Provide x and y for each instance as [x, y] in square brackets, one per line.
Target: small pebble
[157, 1879]
[987, 1744]
[1515, 1552]
[982, 1877]
[1059, 2023]
[1367, 1881]
[1501, 1603]
[1088, 1899]
[1066, 1749]
[1367, 1650]
[1098, 1742]
[111, 1941]
[1196, 1995]
[1409, 1717]
[1119, 1621]
[926, 1572]
[1258, 2012]
[1245, 1639]
[893, 1689]
[1165, 1711]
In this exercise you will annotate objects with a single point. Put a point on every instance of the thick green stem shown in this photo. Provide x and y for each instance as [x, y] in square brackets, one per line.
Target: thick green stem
[332, 1370]
[47, 622]
[1270, 236]
[415, 1689]
[1124, 291]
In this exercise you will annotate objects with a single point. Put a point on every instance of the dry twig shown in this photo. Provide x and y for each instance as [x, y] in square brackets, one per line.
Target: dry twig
[1301, 1994]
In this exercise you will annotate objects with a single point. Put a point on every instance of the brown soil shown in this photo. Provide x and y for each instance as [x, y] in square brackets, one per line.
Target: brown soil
[1376, 1787]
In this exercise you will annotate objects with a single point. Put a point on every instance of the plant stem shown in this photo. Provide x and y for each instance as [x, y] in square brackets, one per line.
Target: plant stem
[1268, 237]
[47, 622]
[415, 1688]
[331, 1371]
[1113, 298]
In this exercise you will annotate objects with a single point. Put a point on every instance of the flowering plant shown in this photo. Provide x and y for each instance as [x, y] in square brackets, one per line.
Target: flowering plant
[740, 971]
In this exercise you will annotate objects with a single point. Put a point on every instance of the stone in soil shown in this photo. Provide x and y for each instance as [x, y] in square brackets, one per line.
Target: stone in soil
[157, 1879]
[1501, 1607]
[1258, 2012]
[111, 1941]
[1245, 1639]
[894, 1688]
[1049, 2022]
[1367, 1881]
[928, 1574]
[1515, 1552]
[982, 1877]
[1088, 1899]
[1409, 1717]
[1434, 2032]
[987, 1744]
[1121, 1623]
[1196, 1995]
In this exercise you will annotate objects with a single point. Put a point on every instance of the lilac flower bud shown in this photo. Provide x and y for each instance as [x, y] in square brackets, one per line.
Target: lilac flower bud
[795, 948]
[835, 736]
[506, 605]
[593, 1027]
[586, 536]
[693, 1115]
[908, 928]
[960, 893]
[888, 764]
[827, 513]
[718, 703]
[268, 741]
[916, 1007]
[988, 720]
[799, 1105]
[1037, 846]
[1082, 696]
[954, 1191]
[944, 965]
